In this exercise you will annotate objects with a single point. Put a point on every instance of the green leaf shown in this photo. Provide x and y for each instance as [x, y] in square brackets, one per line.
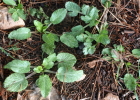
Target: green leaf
[18, 66]
[81, 37]
[106, 3]
[115, 55]
[52, 57]
[39, 25]
[85, 9]
[86, 18]
[50, 38]
[130, 82]
[49, 61]
[103, 28]
[15, 16]
[77, 30]
[20, 34]
[15, 82]
[45, 84]
[136, 52]
[106, 52]
[119, 48]
[48, 64]
[58, 16]
[38, 69]
[21, 13]
[89, 50]
[48, 49]
[73, 8]
[10, 2]
[69, 40]
[102, 38]
[92, 17]
[11, 10]
[66, 60]
[32, 11]
[65, 74]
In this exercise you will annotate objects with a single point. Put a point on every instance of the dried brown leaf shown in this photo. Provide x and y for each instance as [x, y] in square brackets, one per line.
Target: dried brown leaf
[93, 63]
[110, 96]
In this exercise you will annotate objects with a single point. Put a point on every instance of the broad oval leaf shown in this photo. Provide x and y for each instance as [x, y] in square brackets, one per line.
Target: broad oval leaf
[47, 63]
[85, 9]
[73, 8]
[106, 3]
[106, 51]
[58, 16]
[136, 52]
[52, 57]
[15, 82]
[130, 82]
[69, 40]
[10, 2]
[65, 74]
[18, 66]
[81, 37]
[45, 84]
[20, 34]
[66, 60]
[102, 38]
[77, 30]
[39, 25]
[48, 49]
[89, 50]
[50, 38]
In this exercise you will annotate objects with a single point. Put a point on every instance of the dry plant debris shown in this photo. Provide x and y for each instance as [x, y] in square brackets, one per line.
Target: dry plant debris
[6, 21]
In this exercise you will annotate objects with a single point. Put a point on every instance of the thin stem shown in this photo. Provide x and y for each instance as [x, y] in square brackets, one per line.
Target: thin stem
[86, 26]
[49, 71]
[33, 73]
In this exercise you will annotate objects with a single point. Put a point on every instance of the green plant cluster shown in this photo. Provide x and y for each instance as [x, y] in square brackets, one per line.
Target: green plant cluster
[64, 61]
[16, 10]
[116, 56]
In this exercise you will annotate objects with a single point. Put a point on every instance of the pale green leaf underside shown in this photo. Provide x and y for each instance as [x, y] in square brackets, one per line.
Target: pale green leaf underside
[66, 60]
[45, 84]
[68, 75]
[73, 8]
[18, 66]
[10, 2]
[15, 82]
[69, 40]
[20, 34]
[58, 16]
[130, 82]
[48, 49]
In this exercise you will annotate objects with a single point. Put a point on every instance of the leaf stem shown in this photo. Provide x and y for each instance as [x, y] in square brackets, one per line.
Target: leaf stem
[86, 26]
[49, 71]
[33, 73]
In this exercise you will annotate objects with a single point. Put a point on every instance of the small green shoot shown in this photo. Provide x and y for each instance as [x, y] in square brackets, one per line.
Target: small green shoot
[16, 10]
[66, 73]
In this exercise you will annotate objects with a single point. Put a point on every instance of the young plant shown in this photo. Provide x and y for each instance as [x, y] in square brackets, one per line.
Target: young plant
[115, 55]
[78, 33]
[66, 72]
[16, 10]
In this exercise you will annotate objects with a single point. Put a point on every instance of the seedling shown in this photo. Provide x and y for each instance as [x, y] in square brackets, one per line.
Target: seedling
[66, 73]
[16, 10]
[116, 55]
